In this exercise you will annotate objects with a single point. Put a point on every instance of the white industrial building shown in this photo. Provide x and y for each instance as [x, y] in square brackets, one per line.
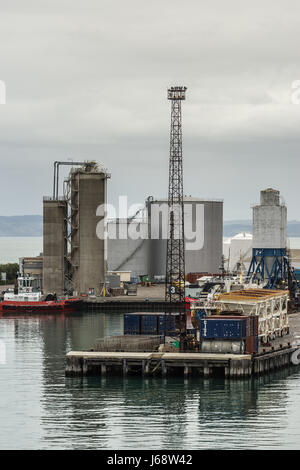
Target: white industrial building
[237, 251]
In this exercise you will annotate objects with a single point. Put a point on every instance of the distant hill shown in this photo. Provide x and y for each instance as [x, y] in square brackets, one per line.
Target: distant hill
[21, 226]
[232, 227]
[293, 228]
[32, 226]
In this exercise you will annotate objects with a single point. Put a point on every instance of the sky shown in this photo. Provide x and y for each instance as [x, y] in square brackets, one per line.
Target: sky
[88, 80]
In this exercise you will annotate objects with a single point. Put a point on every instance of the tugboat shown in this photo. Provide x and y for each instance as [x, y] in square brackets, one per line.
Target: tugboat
[27, 298]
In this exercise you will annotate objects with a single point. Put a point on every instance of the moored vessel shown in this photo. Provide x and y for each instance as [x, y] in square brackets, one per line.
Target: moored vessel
[27, 298]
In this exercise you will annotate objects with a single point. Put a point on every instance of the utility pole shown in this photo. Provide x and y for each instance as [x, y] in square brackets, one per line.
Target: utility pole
[175, 269]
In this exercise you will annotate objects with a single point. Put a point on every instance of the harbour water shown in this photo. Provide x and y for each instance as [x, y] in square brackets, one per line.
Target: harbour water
[42, 409]
[13, 248]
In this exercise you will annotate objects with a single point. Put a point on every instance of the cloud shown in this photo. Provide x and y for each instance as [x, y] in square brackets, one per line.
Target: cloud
[89, 79]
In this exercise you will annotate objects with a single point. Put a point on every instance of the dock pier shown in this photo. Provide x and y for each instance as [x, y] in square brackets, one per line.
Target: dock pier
[181, 363]
[115, 355]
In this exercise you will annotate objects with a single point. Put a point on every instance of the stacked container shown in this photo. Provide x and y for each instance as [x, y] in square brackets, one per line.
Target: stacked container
[236, 334]
[132, 325]
[252, 339]
[166, 323]
[148, 324]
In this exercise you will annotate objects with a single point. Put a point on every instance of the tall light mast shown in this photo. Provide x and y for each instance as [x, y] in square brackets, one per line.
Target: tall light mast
[175, 267]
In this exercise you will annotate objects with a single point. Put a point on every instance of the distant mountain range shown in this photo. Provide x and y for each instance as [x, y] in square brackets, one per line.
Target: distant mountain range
[232, 227]
[21, 226]
[32, 226]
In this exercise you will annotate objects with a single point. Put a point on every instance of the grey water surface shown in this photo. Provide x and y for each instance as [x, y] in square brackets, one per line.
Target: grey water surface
[42, 409]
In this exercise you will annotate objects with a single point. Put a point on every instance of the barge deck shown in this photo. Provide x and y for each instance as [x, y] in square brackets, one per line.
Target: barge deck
[282, 352]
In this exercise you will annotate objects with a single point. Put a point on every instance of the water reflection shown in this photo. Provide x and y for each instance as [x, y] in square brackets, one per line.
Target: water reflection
[198, 413]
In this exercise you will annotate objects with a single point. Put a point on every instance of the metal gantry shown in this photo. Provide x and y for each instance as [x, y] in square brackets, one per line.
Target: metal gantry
[71, 225]
[175, 266]
[260, 270]
[71, 194]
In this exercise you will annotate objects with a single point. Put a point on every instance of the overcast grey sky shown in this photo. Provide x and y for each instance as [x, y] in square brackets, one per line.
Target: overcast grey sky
[88, 79]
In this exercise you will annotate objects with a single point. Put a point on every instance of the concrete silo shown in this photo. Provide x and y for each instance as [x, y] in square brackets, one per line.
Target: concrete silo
[88, 251]
[54, 245]
[269, 239]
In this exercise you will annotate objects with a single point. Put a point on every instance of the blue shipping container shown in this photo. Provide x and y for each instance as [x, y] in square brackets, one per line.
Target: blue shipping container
[148, 324]
[223, 328]
[169, 320]
[132, 324]
[137, 324]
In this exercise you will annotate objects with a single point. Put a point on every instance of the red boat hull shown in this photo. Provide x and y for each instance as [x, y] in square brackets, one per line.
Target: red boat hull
[70, 305]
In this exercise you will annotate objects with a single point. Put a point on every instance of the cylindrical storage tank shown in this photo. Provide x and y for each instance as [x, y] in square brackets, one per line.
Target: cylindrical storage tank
[223, 347]
[203, 235]
[54, 245]
[88, 192]
[128, 246]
